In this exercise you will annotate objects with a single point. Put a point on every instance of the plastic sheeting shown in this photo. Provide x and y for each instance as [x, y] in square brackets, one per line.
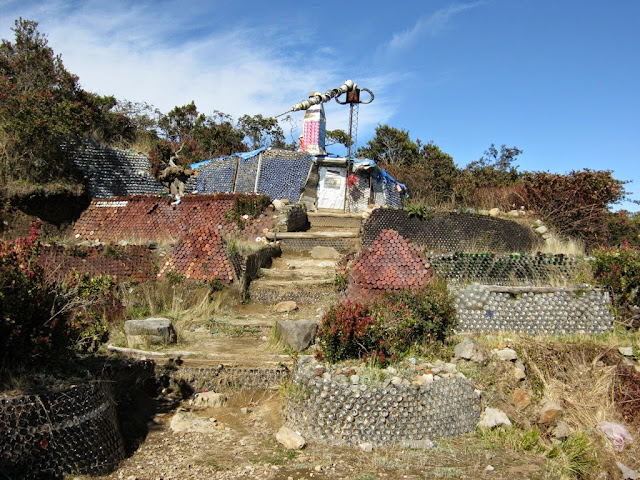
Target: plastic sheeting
[283, 174]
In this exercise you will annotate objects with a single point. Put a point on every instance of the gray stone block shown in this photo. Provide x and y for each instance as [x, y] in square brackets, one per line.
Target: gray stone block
[155, 331]
[298, 334]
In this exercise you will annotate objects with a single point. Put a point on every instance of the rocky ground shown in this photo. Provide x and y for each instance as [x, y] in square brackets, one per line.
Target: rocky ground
[238, 439]
[241, 444]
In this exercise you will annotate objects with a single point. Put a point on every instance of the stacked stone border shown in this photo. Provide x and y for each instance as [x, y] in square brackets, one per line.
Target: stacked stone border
[295, 219]
[247, 267]
[532, 310]
[73, 431]
[334, 411]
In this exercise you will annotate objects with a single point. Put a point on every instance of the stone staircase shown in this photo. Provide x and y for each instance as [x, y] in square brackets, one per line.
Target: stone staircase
[305, 273]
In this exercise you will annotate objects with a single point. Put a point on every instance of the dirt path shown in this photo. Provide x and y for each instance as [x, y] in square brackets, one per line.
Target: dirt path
[243, 446]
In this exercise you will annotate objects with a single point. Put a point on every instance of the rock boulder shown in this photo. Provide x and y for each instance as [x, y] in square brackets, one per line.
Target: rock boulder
[298, 334]
[289, 439]
[493, 417]
[154, 331]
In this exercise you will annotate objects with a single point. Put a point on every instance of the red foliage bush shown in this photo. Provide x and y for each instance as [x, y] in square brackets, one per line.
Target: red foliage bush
[626, 394]
[618, 269]
[39, 319]
[576, 204]
[29, 326]
[623, 228]
[388, 327]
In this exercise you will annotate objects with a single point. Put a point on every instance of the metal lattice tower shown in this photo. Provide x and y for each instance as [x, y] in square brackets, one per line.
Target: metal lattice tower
[353, 127]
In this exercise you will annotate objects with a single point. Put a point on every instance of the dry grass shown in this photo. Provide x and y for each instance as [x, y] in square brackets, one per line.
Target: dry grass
[187, 304]
[142, 144]
[562, 245]
[578, 373]
[580, 380]
[242, 246]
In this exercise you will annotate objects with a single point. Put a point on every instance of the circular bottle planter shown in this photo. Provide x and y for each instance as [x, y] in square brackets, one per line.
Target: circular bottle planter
[73, 431]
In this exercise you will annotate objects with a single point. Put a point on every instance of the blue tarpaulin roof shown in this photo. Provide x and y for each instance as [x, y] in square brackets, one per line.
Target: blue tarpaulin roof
[243, 155]
[358, 164]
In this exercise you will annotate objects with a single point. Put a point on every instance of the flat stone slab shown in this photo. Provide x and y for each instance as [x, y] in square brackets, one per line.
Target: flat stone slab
[156, 331]
[321, 252]
[286, 306]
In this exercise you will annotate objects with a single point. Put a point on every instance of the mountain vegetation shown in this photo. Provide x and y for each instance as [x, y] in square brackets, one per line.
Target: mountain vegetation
[576, 204]
[45, 113]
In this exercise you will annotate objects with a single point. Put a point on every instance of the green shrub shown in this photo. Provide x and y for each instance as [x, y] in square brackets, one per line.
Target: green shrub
[387, 328]
[341, 282]
[93, 305]
[618, 269]
[249, 205]
[420, 211]
[115, 252]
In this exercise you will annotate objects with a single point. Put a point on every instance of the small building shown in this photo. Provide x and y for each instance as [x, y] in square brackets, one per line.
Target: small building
[308, 175]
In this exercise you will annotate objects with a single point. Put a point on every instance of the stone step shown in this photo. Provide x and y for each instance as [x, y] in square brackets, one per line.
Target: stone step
[305, 292]
[346, 233]
[344, 241]
[336, 220]
[295, 274]
[290, 261]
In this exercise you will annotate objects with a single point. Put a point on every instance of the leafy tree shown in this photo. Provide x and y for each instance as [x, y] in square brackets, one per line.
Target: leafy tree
[190, 136]
[431, 178]
[141, 115]
[111, 126]
[42, 107]
[218, 136]
[390, 146]
[495, 168]
[440, 169]
[261, 131]
[337, 137]
[178, 125]
[489, 181]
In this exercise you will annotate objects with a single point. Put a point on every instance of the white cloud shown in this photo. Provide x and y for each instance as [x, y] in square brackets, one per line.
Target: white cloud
[151, 54]
[432, 25]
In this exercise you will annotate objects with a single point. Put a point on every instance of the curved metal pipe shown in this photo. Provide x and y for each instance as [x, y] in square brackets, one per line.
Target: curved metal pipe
[347, 86]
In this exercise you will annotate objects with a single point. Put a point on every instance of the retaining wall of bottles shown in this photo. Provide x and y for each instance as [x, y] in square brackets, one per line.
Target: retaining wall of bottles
[74, 431]
[506, 269]
[334, 411]
[452, 232]
[230, 377]
[531, 310]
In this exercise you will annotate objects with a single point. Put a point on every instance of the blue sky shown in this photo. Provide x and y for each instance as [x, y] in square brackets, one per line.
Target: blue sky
[558, 79]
